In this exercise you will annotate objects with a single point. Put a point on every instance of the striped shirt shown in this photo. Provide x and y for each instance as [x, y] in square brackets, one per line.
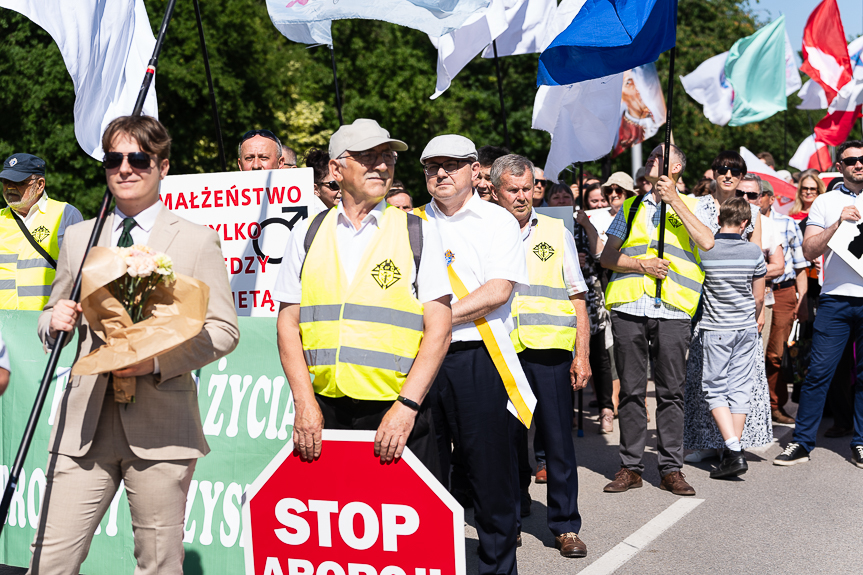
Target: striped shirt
[729, 269]
[792, 244]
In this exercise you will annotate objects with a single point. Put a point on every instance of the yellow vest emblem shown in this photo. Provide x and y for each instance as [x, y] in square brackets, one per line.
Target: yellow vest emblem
[40, 233]
[543, 251]
[386, 274]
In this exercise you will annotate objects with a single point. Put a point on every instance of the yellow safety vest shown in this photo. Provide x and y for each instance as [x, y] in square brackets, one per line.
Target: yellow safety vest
[543, 315]
[25, 276]
[360, 339]
[682, 287]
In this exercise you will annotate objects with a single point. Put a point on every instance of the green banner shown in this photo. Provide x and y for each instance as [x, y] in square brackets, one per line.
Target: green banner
[247, 416]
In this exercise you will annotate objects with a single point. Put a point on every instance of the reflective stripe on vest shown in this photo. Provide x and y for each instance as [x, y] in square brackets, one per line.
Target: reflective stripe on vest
[543, 315]
[682, 287]
[361, 339]
[25, 276]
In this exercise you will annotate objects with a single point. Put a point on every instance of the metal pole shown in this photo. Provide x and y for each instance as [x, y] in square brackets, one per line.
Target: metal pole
[581, 182]
[666, 158]
[210, 85]
[785, 139]
[336, 82]
[500, 94]
[581, 391]
[42, 393]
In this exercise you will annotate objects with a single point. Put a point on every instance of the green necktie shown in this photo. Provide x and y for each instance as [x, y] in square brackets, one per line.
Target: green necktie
[126, 237]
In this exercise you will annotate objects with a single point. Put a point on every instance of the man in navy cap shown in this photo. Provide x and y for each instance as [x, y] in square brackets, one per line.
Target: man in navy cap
[31, 231]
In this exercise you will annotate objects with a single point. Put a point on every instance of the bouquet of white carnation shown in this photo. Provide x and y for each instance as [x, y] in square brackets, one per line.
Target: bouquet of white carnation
[145, 269]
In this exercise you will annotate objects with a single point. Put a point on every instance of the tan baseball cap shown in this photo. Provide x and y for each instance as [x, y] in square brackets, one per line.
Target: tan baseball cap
[363, 134]
[622, 179]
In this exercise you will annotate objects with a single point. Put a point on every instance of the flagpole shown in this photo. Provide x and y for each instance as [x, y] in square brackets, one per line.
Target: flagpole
[500, 93]
[666, 160]
[581, 391]
[336, 82]
[60, 342]
[785, 139]
[218, 124]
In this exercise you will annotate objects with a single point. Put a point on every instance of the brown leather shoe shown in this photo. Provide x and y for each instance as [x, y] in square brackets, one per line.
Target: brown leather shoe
[676, 483]
[623, 481]
[778, 417]
[541, 475]
[570, 545]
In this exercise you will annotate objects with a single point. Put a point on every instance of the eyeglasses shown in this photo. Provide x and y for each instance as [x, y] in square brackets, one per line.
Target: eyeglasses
[722, 170]
[852, 161]
[263, 133]
[805, 189]
[449, 167]
[749, 195]
[542, 183]
[138, 160]
[372, 158]
[22, 184]
[332, 184]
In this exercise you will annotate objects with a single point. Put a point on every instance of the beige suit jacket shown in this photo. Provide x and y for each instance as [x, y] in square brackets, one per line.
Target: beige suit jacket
[164, 423]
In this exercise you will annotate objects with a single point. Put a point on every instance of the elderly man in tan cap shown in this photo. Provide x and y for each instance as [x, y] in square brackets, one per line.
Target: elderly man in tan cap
[359, 310]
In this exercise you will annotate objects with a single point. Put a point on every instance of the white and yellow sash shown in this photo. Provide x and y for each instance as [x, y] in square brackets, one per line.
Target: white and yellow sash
[522, 401]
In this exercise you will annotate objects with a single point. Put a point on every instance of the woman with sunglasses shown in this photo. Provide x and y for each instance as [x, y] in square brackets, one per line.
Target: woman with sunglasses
[699, 430]
[810, 187]
[326, 188]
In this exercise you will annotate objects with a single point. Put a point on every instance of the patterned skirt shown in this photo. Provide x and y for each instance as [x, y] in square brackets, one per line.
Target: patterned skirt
[699, 428]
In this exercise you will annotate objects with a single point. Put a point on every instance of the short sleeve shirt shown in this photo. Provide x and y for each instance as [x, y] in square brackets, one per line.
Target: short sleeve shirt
[431, 279]
[839, 277]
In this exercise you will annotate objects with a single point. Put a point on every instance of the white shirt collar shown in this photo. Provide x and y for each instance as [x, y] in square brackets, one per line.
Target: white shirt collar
[376, 214]
[470, 207]
[145, 219]
[40, 205]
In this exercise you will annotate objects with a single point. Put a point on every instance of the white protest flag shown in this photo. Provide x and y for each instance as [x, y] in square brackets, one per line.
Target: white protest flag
[792, 74]
[106, 45]
[708, 86]
[528, 23]
[311, 33]
[583, 120]
[434, 17]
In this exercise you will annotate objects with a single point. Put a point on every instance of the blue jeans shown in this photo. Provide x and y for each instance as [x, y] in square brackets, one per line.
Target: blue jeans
[838, 317]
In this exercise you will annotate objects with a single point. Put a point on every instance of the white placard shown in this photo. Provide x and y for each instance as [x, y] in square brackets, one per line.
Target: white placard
[253, 213]
[847, 242]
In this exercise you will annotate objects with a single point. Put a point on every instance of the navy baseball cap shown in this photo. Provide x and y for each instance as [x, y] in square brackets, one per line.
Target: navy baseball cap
[19, 167]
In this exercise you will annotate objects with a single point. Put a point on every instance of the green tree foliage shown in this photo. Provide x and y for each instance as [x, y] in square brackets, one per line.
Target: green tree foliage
[386, 72]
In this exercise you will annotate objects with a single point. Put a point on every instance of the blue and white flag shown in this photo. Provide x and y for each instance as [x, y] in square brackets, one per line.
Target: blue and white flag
[434, 17]
[607, 37]
[106, 45]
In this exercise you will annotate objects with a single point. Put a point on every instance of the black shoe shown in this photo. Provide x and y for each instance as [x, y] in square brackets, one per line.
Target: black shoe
[733, 464]
[857, 455]
[518, 539]
[794, 453]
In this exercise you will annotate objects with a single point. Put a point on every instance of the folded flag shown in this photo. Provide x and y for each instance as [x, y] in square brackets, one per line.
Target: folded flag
[811, 154]
[812, 93]
[434, 17]
[825, 56]
[106, 46]
[608, 37]
[756, 70]
[583, 120]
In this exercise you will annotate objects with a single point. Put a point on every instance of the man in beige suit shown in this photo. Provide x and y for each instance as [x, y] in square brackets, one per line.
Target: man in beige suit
[152, 444]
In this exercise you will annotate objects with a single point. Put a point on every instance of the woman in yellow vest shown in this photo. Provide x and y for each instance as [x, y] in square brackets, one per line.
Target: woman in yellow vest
[31, 231]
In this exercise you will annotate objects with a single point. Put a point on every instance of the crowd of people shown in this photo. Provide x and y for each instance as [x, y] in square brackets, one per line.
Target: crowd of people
[454, 327]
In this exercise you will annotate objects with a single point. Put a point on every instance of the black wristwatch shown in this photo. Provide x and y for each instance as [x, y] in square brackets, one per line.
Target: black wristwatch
[409, 403]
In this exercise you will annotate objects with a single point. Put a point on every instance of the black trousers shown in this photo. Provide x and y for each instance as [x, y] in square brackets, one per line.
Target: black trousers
[348, 413]
[547, 371]
[600, 365]
[468, 404]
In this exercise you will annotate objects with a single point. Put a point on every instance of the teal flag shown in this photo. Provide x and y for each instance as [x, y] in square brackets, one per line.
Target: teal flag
[756, 70]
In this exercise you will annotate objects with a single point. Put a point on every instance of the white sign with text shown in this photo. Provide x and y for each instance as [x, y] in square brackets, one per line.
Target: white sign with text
[253, 213]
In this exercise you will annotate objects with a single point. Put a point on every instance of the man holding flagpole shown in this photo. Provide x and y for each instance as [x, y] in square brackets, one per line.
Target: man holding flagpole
[638, 325]
[481, 373]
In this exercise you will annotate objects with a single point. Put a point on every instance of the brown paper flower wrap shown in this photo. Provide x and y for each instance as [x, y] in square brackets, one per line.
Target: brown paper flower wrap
[173, 314]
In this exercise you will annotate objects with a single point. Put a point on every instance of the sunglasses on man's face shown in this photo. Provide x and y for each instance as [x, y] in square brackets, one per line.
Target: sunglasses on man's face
[749, 195]
[722, 170]
[263, 133]
[852, 160]
[138, 160]
[542, 183]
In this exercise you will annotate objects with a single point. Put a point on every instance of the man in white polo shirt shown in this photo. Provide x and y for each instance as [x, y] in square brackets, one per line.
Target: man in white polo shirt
[483, 248]
[840, 309]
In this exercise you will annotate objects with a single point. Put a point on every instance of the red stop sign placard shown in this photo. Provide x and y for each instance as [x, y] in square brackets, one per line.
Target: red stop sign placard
[346, 514]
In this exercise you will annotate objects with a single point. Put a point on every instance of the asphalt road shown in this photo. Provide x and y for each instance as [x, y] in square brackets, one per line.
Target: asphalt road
[803, 519]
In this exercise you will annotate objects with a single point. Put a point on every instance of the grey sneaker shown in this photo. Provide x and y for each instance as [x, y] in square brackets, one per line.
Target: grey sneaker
[794, 453]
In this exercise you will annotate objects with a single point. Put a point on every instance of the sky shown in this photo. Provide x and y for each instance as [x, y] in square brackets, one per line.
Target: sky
[797, 11]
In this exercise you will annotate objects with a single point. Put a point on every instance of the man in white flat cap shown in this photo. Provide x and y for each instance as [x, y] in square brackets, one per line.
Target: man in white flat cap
[365, 308]
[485, 258]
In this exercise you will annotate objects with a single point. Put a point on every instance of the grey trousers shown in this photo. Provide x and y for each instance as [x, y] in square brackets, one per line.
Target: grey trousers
[667, 341]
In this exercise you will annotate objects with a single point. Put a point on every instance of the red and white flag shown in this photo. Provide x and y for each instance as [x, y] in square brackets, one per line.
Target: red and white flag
[811, 154]
[825, 55]
[782, 190]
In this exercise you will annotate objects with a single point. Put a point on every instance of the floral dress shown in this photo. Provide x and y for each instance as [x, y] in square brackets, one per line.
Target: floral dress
[699, 428]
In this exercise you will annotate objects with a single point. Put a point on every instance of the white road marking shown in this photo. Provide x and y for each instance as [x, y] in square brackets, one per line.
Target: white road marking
[623, 552]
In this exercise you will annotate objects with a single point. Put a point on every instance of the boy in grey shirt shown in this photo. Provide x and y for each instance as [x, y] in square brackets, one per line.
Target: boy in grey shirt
[733, 296]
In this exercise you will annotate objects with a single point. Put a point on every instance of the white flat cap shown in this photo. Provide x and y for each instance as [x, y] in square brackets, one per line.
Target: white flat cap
[449, 146]
[363, 134]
